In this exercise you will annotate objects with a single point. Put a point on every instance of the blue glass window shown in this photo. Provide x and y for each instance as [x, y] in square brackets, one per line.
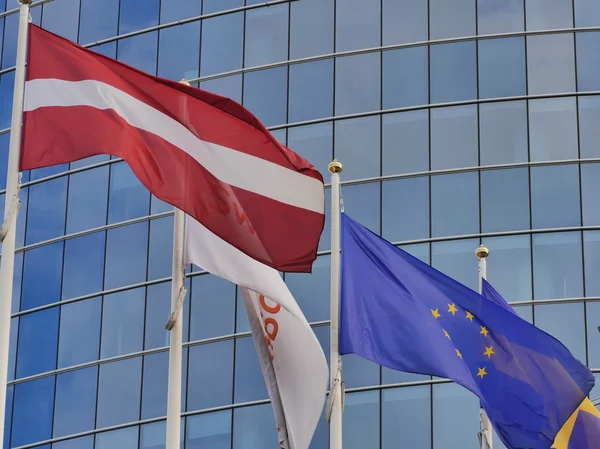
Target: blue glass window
[557, 270]
[228, 87]
[566, 322]
[363, 203]
[12, 349]
[42, 275]
[119, 389]
[454, 138]
[7, 84]
[126, 254]
[454, 408]
[502, 67]
[265, 95]
[160, 256]
[118, 439]
[503, 132]
[550, 64]
[591, 251]
[139, 51]
[312, 290]
[405, 142]
[361, 420]
[17, 281]
[254, 428]
[549, 14]
[553, 129]
[266, 35]
[128, 197]
[123, 323]
[500, 17]
[555, 196]
[221, 5]
[84, 265]
[357, 81]
[222, 44]
[314, 143]
[32, 413]
[406, 417]
[79, 337]
[155, 383]
[311, 28]
[209, 430]
[590, 186]
[158, 306]
[249, 380]
[47, 210]
[405, 76]
[510, 266]
[451, 18]
[359, 372]
[212, 308]
[108, 49]
[137, 15]
[357, 144]
[406, 209]
[453, 72]
[454, 204]
[76, 443]
[8, 416]
[593, 336]
[154, 435]
[587, 13]
[589, 131]
[75, 406]
[311, 90]
[88, 198]
[588, 61]
[404, 21]
[172, 10]
[504, 200]
[179, 52]
[357, 24]
[4, 147]
[456, 259]
[38, 342]
[62, 18]
[213, 382]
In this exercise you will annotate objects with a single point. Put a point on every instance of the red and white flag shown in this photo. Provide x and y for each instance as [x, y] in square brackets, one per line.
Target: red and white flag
[200, 152]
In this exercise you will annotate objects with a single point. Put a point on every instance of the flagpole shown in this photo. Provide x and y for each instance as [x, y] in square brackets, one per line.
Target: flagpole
[334, 406]
[7, 263]
[485, 426]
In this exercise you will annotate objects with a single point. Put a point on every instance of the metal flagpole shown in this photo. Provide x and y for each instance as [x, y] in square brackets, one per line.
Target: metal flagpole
[7, 263]
[336, 395]
[485, 426]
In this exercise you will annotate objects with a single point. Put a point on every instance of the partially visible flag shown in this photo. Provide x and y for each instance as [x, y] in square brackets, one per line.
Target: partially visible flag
[403, 314]
[202, 153]
[293, 363]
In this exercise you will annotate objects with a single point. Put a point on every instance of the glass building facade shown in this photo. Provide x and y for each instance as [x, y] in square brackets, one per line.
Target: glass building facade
[458, 122]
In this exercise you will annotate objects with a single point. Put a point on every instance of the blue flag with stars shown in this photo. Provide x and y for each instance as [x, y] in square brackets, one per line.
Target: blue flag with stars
[403, 314]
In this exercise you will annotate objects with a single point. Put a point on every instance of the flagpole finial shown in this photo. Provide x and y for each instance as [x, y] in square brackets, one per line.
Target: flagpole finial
[335, 167]
[482, 252]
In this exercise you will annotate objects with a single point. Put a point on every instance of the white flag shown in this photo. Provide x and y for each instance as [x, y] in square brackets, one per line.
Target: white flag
[291, 358]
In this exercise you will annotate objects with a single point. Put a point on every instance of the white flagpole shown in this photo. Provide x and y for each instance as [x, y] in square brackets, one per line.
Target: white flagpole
[335, 401]
[485, 426]
[9, 230]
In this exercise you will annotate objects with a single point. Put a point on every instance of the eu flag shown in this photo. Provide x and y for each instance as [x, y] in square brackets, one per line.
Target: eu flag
[403, 314]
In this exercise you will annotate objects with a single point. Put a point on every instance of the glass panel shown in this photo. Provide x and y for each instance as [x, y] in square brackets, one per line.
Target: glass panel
[137, 15]
[555, 196]
[456, 259]
[510, 266]
[32, 413]
[588, 61]
[212, 308]
[357, 24]
[361, 420]
[160, 258]
[357, 81]
[502, 67]
[249, 380]
[504, 200]
[172, 10]
[209, 430]
[4, 146]
[454, 408]
[157, 307]
[222, 44]
[589, 131]
[359, 372]
[128, 197]
[454, 204]
[47, 210]
[565, 322]
[404, 21]
[79, 338]
[591, 250]
[454, 138]
[406, 209]
[228, 87]
[75, 407]
[500, 17]
[123, 323]
[357, 143]
[405, 142]
[590, 186]
[213, 382]
[88, 198]
[557, 270]
[550, 64]
[405, 76]
[8, 416]
[42, 275]
[451, 18]
[119, 391]
[549, 14]
[118, 439]
[126, 254]
[363, 203]
[265, 94]
[593, 336]
[266, 35]
[254, 428]
[76, 443]
[587, 13]
[314, 143]
[12, 349]
[503, 132]
[179, 52]
[406, 417]
[7, 81]
[453, 72]
[312, 290]
[38, 342]
[62, 18]
[311, 91]
[155, 383]
[311, 28]
[84, 265]
[139, 51]
[553, 129]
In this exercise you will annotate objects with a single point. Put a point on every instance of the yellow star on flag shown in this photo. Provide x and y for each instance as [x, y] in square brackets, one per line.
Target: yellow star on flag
[489, 351]
[470, 316]
[481, 372]
[458, 353]
[435, 313]
[446, 334]
[452, 309]
[484, 331]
